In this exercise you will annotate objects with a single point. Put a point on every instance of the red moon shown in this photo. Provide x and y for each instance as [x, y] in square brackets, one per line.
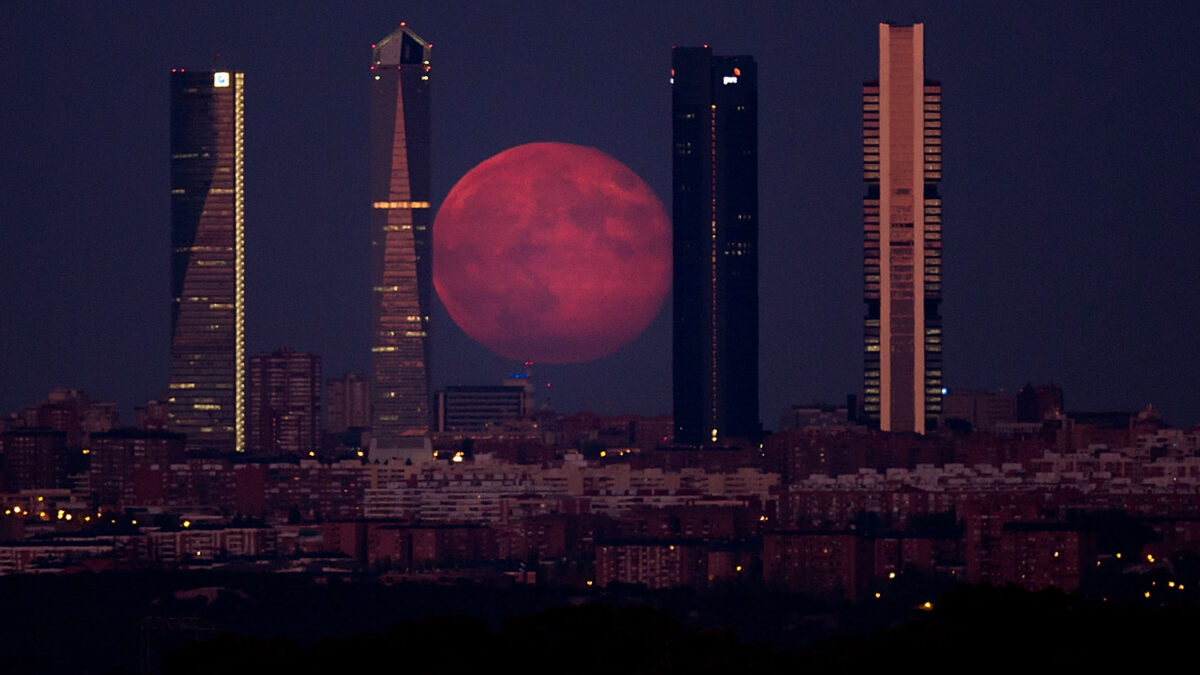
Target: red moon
[552, 252]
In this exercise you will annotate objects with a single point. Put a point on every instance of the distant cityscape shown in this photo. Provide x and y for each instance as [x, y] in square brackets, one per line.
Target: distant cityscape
[266, 463]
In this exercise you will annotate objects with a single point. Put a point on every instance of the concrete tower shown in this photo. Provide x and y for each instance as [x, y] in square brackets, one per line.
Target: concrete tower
[902, 236]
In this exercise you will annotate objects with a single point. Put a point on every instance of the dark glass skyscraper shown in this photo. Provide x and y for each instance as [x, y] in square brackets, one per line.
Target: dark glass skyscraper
[902, 236]
[205, 398]
[401, 263]
[714, 104]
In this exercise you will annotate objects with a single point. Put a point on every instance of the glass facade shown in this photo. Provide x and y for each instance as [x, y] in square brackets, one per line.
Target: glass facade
[401, 262]
[205, 398]
[714, 102]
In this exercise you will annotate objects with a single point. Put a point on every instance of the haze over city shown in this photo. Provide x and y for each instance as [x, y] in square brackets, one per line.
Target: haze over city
[1070, 156]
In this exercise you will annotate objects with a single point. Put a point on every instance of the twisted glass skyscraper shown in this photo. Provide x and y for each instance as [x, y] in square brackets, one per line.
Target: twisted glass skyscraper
[207, 370]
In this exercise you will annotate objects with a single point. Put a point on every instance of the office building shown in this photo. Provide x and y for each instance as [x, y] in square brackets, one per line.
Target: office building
[205, 400]
[714, 107]
[902, 236]
[35, 458]
[348, 403]
[983, 410]
[73, 412]
[476, 408]
[401, 263]
[116, 456]
[284, 403]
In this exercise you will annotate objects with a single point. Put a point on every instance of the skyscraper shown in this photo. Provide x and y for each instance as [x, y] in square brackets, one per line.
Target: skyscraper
[401, 264]
[205, 398]
[902, 236]
[714, 106]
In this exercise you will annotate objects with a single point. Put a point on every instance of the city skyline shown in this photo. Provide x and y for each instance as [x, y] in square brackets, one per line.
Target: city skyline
[1083, 122]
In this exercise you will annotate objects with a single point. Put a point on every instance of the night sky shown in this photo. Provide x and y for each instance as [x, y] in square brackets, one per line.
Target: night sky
[1071, 168]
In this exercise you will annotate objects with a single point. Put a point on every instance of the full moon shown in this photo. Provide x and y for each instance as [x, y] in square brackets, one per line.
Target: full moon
[552, 252]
